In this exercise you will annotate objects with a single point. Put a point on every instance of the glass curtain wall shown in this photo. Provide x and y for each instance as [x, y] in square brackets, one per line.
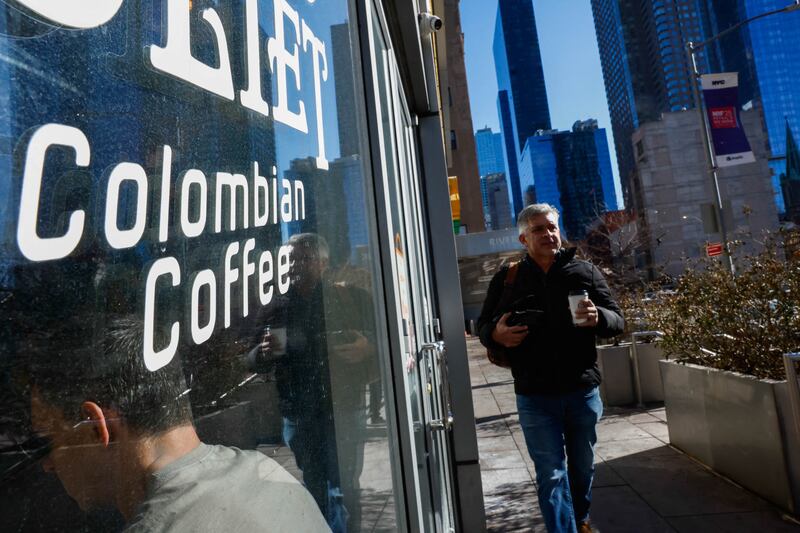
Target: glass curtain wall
[188, 277]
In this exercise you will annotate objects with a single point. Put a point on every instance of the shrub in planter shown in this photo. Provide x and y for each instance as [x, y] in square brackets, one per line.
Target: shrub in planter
[729, 408]
[741, 323]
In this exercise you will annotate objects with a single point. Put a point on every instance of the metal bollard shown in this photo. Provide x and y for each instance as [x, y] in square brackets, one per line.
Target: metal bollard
[789, 361]
[637, 380]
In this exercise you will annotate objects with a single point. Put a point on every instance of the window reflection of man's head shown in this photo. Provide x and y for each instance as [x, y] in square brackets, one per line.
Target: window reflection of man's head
[308, 260]
[90, 395]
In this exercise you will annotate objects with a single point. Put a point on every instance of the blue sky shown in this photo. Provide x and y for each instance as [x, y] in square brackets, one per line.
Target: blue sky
[572, 72]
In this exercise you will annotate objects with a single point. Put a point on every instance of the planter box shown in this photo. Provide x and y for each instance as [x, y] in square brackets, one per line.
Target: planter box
[615, 367]
[649, 355]
[618, 386]
[738, 425]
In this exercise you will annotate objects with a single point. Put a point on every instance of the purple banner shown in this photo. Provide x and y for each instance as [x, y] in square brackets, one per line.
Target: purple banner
[721, 93]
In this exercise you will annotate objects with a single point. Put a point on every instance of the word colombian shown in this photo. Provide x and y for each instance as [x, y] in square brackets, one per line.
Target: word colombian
[201, 205]
[227, 203]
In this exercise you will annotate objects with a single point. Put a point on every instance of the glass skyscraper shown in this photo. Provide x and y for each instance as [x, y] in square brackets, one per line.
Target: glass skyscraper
[775, 45]
[489, 148]
[646, 71]
[522, 97]
[571, 170]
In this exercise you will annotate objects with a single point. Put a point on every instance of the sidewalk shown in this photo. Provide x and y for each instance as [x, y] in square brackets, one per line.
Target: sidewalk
[641, 483]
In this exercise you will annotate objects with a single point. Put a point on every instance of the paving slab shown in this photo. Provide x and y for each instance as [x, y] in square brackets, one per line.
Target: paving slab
[755, 522]
[621, 510]
[641, 483]
[675, 486]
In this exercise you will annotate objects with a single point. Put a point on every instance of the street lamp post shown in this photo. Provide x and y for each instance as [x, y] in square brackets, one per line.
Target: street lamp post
[691, 49]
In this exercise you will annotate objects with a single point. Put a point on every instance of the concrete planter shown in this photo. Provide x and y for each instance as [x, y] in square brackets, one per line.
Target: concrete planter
[738, 425]
[649, 355]
[618, 386]
[615, 367]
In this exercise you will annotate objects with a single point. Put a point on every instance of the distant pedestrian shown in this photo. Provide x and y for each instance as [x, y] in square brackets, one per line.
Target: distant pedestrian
[551, 350]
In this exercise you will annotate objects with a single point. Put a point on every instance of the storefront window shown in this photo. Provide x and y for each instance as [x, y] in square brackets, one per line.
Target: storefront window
[187, 274]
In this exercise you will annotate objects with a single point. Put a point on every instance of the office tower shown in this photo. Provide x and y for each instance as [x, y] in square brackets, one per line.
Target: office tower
[344, 83]
[773, 44]
[790, 179]
[676, 192]
[522, 97]
[571, 170]
[489, 147]
[462, 162]
[496, 209]
[646, 70]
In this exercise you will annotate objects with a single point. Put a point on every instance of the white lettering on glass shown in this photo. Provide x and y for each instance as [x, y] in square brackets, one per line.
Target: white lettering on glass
[320, 71]
[265, 275]
[127, 238]
[176, 57]
[30, 244]
[248, 269]
[283, 269]
[153, 359]
[193, 228]
[281, 60]
[260, 193]
[286, 201]
[82, 14]
[251, 97]
[233, 182]
[166, 188]
[201, 334]
[231, 274]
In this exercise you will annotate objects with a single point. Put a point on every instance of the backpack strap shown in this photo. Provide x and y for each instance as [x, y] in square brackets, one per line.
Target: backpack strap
[508, 287]
[511, 275]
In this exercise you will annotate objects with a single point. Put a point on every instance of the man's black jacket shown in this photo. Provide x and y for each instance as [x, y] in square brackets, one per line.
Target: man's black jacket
[556, 356]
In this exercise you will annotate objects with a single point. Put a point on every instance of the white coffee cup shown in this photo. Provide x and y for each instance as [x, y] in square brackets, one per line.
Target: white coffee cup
[279, 340]
[575, 298]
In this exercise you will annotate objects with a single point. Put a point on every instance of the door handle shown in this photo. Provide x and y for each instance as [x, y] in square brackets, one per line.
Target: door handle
[441, 424]
[439, 349]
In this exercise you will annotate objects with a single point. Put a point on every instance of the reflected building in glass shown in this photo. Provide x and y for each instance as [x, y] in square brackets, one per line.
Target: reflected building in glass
[570, 170]
[522, 96]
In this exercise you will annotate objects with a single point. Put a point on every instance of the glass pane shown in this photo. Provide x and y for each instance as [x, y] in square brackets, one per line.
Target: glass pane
[187, 257]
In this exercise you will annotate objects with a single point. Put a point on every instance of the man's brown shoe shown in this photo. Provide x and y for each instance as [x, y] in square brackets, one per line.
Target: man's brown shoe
[584, 527]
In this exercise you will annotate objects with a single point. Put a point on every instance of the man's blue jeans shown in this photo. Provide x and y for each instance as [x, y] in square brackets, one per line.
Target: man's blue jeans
[560, 433]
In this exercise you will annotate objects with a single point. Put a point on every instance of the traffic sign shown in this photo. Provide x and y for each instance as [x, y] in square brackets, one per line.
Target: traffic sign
[713, 249]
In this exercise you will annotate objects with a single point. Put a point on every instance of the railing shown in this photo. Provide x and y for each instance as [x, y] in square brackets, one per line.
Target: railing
[637, 379]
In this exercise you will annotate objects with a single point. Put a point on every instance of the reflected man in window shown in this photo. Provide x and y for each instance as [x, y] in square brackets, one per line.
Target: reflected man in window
[322, 375]
[123, 436]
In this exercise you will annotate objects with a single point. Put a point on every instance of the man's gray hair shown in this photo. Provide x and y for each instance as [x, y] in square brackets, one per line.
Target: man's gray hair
[525, 216]
[311, 240]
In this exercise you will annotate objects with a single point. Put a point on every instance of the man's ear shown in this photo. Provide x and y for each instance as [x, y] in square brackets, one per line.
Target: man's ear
[522, 239]
[96, 419]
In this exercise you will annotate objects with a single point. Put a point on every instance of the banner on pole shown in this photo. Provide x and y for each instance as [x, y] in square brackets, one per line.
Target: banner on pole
[721, 93]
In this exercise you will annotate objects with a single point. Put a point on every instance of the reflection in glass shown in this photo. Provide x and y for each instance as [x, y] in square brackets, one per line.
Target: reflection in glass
[242, 314]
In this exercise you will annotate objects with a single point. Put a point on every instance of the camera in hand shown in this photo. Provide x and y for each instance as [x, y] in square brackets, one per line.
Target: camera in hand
[526, 317]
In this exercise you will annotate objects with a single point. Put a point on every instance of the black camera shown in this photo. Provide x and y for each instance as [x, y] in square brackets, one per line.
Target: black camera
[526, 317]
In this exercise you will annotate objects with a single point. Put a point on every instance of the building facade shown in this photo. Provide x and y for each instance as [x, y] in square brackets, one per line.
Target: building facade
[677, 216]
[642, 46]
[489, 148]
[460, 140]
[496, 207]
[219, 230]
[570, 170]
[522, 95]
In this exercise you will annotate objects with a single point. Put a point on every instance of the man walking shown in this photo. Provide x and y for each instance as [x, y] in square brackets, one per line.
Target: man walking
[553, 360]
